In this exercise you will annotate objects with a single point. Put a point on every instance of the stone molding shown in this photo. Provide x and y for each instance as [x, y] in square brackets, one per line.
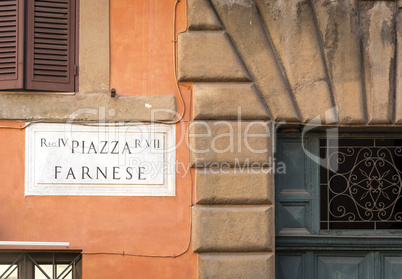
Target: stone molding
[234, 186]
[248, 265]
[87, 107]
[228, 101]
[233, 229]
[226, 143]
[325, 62]
[234, 210]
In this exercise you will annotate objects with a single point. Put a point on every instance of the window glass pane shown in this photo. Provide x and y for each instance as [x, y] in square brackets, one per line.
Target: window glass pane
[67, 274]
[292, 153]
[48, 269]
[12, 273]
[361, 184]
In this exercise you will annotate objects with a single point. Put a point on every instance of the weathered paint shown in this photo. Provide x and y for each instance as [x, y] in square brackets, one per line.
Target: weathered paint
[140, 225]
[141, 63]
[142, 45]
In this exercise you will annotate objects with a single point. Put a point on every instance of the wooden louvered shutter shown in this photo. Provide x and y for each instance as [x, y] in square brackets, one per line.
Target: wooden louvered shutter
[11, 44]
[50, 43]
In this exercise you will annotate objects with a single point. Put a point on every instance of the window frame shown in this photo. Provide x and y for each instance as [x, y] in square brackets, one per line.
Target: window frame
[26, 261]
[312, 170]
[25, 52]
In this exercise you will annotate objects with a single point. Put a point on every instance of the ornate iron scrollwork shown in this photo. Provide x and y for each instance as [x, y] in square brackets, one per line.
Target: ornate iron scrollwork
[361, 187]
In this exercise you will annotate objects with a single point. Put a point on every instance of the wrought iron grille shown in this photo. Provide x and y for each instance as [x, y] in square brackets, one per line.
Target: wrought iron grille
[360, 186]
[40, 265]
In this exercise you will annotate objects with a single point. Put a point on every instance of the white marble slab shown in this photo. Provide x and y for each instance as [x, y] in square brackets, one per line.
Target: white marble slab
[100, 160]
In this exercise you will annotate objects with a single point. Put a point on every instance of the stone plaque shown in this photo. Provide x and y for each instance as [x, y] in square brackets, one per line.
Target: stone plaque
[100, 160]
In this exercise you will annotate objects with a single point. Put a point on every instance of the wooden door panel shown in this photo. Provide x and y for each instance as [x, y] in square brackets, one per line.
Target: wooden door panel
[391, 267]
[334, 265]
[296, 192]
[292, 152]
[294, 217]
[345, 267]
[290, 267]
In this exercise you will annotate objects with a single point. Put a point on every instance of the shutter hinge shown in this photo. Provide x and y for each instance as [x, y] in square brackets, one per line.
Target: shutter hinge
[75, 70]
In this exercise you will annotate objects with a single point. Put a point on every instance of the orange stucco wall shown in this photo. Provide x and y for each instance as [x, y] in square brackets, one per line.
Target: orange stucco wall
[141, 63]
[142, 45]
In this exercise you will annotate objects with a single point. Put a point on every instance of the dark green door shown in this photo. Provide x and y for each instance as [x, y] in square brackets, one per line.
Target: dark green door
[339, 223]
[339, 265]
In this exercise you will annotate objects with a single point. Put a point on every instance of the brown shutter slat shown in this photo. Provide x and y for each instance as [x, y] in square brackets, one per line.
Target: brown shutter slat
[6, 18]
[53, 36]
[51, 20]
[11, 44]
[51, 32]
[57, 1]
[46, 12]
[7, 3]
[7, 49]
[54, 58]
[7, 23]
[12, 29]
[53, 42]
[38, 24]
[50, 45]
[50, 67]
[8, 61]
[6, 71]
[7, 12]
[7, 53]
[11, 35]
[50, 62]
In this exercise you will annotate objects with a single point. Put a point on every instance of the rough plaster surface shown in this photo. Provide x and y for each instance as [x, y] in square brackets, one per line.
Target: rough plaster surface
[94, 58]
[398, 93]
[339, 25]
[378, 35]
